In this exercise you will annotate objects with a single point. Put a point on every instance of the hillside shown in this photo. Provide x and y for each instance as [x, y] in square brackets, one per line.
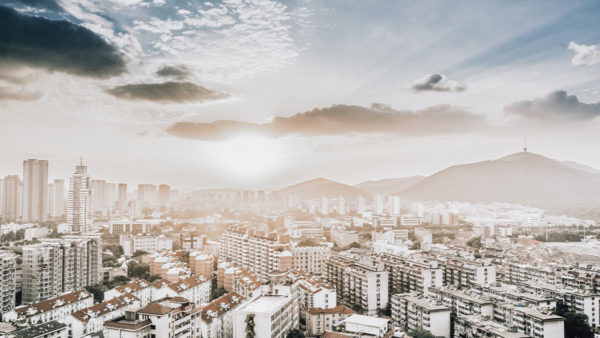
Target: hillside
[319, 187]
[389, 186]
[523, 178]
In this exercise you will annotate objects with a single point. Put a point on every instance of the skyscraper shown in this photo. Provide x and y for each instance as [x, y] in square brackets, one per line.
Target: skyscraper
[35, 190]
[99, 198]
[164, 194]
[56, 193]
[12, 198]
[79, 204]
[122, 197]
[147, 192]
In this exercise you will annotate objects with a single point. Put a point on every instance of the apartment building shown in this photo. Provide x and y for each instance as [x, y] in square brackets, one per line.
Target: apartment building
[412, 311]
[90, 320]
[202, 264]
[129, 227]
[215, 319]
[167, 265]
[343, 238]
[360, 326]
[8, 266]
[362, 283]
[50, 309]
[314, 292]
[170, 317]
[408, 274]
[310, 259]
[147, 243]
[61, 265]
[481, 326]
[462, 303]
[529, 320]
[515, 273]
[319, 320]
[464, 272]
[256, 250]
[239, 280]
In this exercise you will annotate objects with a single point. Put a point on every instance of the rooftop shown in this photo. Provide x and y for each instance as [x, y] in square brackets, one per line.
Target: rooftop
[39, 330]
[366, 320]
[265, 304]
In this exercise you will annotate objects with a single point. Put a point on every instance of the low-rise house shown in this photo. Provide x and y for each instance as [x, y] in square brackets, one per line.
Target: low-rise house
[50, 309]
[91, 320]
[319, 320]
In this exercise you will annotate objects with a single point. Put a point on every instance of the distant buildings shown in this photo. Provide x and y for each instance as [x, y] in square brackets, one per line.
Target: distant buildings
[56, 198]
[310, 259]
[147, 243]
[12, 191]
[414, 312]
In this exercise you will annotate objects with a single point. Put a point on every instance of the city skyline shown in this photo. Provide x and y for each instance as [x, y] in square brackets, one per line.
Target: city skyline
[416, 87]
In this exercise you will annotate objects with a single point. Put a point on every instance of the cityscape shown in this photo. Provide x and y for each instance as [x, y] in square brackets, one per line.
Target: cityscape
[226, 169]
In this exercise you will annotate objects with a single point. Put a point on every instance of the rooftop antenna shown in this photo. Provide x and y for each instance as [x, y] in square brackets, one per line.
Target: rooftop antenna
[525, 143]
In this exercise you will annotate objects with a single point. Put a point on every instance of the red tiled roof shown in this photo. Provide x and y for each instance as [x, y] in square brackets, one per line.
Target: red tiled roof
[53, 303]
[103, 308]
[340, 309]
[133, 286]
[220, 305]
[187, 283]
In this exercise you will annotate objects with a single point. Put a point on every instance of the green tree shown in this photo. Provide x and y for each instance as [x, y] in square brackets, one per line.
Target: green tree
[420, 333]
[138, 253]
[218, 293]
[357, 308]
[153, 278]
[474, 242]
[295, 333]
[96, 290]
[576, 324]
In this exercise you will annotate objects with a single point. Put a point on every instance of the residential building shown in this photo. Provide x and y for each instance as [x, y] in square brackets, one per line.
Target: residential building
[319, 320]
[202, 264]
[310, 259]
[343, 238]
[90, 320]
[31, 233]
[148, 243]
[122, 197]
[140, 288]
[407, 274]
[412, 311]
[365, 326]
[51, 309]
[265, 316]
[8, 265]
[129, 227]
[12, 198]
[56, 198]
[215, 319]
[531, 321]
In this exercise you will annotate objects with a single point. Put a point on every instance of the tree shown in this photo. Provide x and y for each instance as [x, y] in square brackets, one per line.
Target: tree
[357, 308]
[139, 253]
[474, 242]
[385, 312]
[295, 333]
[576, 324]
[218, 293]
[97, 291]
[420, 333]
[153, 278]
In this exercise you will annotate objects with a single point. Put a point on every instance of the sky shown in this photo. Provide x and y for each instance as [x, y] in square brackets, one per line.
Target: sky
[262, 94]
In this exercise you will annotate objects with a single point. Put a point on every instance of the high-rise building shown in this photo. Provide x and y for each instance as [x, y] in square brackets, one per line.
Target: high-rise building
[8, 264]
[122, 196]
[99, 197]
[12, 189]
[35, 190]
[60, 265]
[341, 206]
[79, 204]
[147, 192]
[111, 195]
[164, 194]
[56, 193]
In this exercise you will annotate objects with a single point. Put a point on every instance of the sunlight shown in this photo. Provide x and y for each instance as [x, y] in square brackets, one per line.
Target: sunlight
[248, 155]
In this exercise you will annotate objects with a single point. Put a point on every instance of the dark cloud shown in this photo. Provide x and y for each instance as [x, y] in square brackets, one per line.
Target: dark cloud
[342, 119]
[179, 72]
[47, 4]
[7, 93]
[166, 92]
[437, 82]
[56, 45]
[556, 105]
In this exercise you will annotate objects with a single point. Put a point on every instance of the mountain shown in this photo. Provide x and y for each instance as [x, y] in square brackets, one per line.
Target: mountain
[523, 178]
[389, 186]
[319, 187]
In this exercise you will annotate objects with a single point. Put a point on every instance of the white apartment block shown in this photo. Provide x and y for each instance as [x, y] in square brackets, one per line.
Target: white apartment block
[90, 320]
[464, 273]
[310, 259]
[130, 227]
[481, 326]
[411, 312]
[133, 243]
[265, 316]
[80, 209]
[408, 274]
[462, 303]
[51, 309]
[343, 237]
[140, 288]
[196, 289]
[531, 321]
[32, 233]
[359, 325]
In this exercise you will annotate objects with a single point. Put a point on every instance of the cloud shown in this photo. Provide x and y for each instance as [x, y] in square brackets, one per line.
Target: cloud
[166, 92]
[7, 93]
[342, 119]
[179, 72]
[585, 55]
[56, 46]
[438, 83]
[556, 105]
[52, 5]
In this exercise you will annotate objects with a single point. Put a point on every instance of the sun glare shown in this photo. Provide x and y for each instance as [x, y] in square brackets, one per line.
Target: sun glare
[248, 155]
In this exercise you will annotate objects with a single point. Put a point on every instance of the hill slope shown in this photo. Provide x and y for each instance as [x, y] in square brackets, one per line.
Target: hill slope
[319, 187]
[523, 178]
[389, 186]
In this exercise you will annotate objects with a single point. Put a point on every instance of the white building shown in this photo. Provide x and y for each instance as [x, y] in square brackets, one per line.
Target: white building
[366, 326]
[215, 320]
[56, 198]
[8, 264]
[32, 233]
[265, 316]
[415, 312]
[133, 243]
[140, 288]
[90, 320]
[51, 309]
[35, 190]
[80, 209]
[310, 259]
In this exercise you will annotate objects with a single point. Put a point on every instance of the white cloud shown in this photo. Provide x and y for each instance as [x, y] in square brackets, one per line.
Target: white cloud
[585, 55]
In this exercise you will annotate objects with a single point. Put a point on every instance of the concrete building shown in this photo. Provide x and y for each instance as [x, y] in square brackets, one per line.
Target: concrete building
[35, 190]
[80, 209]
[122, 197]
[130, 227]
[31, 233]
[202, 264]
[164, 194]
[61, 265]
[408, 274]
[531, 321]
[462, 303]
[365, 326]
[215, 320]
[310, 259]
[343, 238]
[12, 189]
[90, 320]
[148, 243]
[140, 288]
[411, 312]
[147, 193]
[8, 265]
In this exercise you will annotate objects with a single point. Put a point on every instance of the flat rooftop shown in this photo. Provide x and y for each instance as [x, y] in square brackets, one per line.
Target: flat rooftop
[366, 320]
[265, 304]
